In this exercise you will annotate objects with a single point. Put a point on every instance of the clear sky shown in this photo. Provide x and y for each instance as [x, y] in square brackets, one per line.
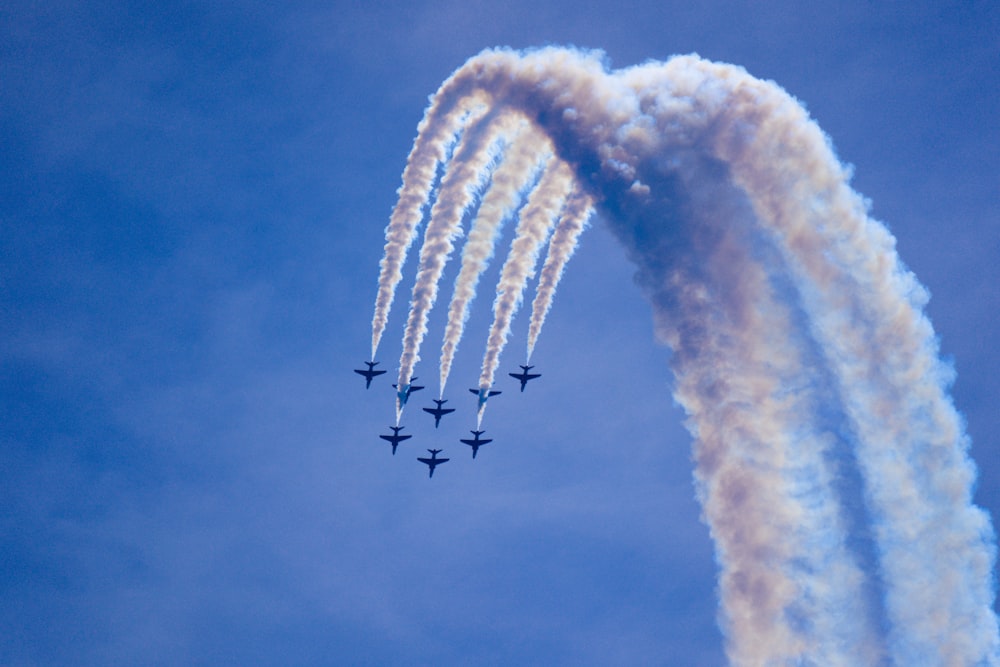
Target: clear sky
[192, 208]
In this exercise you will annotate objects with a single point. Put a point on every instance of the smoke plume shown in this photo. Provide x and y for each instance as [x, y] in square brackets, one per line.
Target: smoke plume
[830, 462]
[510, 179]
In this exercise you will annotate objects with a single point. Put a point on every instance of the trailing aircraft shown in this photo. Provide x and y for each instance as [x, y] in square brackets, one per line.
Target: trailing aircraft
[404, 394]
[439, 412]
[524, 375]
[433, 461]
[370, 373]
[483, 394]
[476, 443]
[395, 438]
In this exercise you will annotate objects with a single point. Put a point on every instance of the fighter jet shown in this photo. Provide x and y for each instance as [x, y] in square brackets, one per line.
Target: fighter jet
[404, 394]
[433, 461]
[439, 412]
[476, 443]
[484, 395]
[395, 438]
[524, 375]
[370, 373]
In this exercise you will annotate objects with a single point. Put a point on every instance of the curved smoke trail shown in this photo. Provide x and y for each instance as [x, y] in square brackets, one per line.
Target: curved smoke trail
[562, 245]
[830, 461]
[510, 179]
[464, 177]
[537, 219]
[436, 134]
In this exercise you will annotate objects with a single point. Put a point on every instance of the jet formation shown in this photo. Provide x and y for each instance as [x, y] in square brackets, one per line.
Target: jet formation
[403, 392]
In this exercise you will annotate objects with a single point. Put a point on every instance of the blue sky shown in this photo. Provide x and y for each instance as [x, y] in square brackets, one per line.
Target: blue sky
[192, 206]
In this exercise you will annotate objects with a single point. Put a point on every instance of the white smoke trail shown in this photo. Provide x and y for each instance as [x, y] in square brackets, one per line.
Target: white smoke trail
[885, 355]
[512, 176]
[465, 175]
[755, 400]
[830, 461]
[436, 135]
[562, 245]
[537, 220]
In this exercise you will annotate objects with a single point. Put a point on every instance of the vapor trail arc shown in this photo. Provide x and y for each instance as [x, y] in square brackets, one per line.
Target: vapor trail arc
[536, 222]
[510, 179]
[579, 208]
[463, 178]
[830, 461]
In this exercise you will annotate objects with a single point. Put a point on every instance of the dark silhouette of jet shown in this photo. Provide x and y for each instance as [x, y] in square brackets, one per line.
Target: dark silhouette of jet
[370, 373]
[524, 375]
[439, 412]
[404, 394]
[433, 461]
[484, 395]
[395, 438]
[476, 443]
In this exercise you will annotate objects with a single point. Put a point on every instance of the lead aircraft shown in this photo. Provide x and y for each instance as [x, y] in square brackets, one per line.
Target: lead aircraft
[370, 373]
[433, 461]
[524, 375]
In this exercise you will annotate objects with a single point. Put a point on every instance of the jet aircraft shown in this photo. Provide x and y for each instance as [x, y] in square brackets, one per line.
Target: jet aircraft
[524, 375]
[439, 412]
[370, 373]
[404, 394]
[433, 461]
[476, 443]
[395, 438]
[484, 395]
